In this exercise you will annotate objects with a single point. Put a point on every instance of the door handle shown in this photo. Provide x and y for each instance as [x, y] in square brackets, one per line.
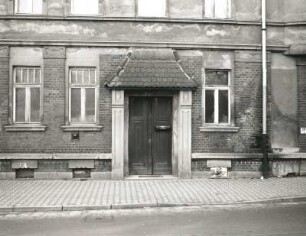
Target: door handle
[162, 127]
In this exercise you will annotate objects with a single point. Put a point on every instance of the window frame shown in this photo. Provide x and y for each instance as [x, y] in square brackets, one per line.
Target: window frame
[141, 16]
[71, 3]
[27, 88]
[83, 96]
[16, 8]
[229, 10]
[217, 126]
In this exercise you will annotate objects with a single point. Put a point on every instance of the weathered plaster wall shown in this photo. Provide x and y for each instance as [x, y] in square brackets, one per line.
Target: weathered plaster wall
[284, 101]
[55, 8]
[275, 10]
[3, 7]
[295, 10]
[246, 9]
[129, 32]
[186, 9]
[295, 35]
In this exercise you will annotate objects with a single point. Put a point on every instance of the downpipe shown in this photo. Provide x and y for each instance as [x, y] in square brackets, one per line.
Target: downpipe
[264, 139]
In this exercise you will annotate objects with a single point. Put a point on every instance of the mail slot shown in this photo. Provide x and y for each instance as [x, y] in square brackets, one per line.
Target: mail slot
[162, 127]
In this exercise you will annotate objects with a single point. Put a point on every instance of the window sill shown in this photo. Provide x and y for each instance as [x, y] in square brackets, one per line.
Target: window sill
[25, 128]
[228, 129]
[92, 128]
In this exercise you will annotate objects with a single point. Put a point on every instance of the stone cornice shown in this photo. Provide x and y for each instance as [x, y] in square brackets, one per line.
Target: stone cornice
[127, 44]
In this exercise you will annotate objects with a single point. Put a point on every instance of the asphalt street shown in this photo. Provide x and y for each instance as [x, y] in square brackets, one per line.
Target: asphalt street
[253, 219]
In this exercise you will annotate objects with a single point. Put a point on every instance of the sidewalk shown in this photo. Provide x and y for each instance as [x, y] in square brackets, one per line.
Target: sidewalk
[58, 195]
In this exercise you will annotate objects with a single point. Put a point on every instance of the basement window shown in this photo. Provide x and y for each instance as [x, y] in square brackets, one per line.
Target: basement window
[85, 7]
[151, 8]
[217, 9]
[29, 6]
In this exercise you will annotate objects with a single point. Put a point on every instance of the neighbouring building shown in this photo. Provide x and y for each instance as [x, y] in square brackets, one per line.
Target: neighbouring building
[112, 88]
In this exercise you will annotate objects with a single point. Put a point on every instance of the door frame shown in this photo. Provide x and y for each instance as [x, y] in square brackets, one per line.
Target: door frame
[172, 94]
[182, 133]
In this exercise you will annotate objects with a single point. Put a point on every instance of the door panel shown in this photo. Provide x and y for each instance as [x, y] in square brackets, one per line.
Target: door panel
[139, 146]
[150, 135]
[162, 136]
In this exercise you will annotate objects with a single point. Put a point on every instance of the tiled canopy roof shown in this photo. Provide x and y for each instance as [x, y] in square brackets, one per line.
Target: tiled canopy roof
[151, 68]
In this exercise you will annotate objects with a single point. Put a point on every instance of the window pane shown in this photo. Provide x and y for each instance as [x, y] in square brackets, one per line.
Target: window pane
[24, 6]
[79, 76]
[24, 76]
[75, 105]
[90, 105]
[31, 76]
[73, 76]
[223, 106]
[92, 76]
[156, 8]
[35, 104]
[37, 76]
[209, 106]
[20, 105]
[86, 76]
[37, 6]
[218, 78]
[209, 8]
[221, 8]
[85, 7]
[18, 75]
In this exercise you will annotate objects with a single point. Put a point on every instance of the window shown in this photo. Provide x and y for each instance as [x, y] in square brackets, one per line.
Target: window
[29, 6]
[152, 8]
[85, 7]
[217, 97]
[83, 91]
[217, 8]
[27, 95]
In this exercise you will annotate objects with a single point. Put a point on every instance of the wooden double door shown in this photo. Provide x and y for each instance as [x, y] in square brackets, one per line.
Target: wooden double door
[150, 135]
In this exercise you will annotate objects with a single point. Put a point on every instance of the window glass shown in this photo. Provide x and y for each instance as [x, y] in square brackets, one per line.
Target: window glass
[76, 105]
[214, 77]
[20, 105]
[35, 104]
[152, 8]
[90, 105]
[209, 106]
[223, 106]
[217, 8]
[85, 7]
[29, 6]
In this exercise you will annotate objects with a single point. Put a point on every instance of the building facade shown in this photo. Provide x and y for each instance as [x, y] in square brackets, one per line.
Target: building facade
[113, 88]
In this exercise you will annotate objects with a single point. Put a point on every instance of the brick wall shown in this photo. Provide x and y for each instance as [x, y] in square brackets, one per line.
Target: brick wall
[4, 94]
[302, 105]
[5, 166]
[54, 139]
[247, 110]
[246, 165]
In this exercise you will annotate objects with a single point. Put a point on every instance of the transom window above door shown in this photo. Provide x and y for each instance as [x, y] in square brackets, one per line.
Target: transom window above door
[85, 7]
[29, 6]
[152, 8]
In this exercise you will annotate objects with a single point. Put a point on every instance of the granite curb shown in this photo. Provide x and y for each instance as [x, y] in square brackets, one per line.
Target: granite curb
[141, 205]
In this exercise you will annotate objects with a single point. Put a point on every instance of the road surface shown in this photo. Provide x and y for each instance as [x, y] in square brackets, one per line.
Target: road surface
[236, 220]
